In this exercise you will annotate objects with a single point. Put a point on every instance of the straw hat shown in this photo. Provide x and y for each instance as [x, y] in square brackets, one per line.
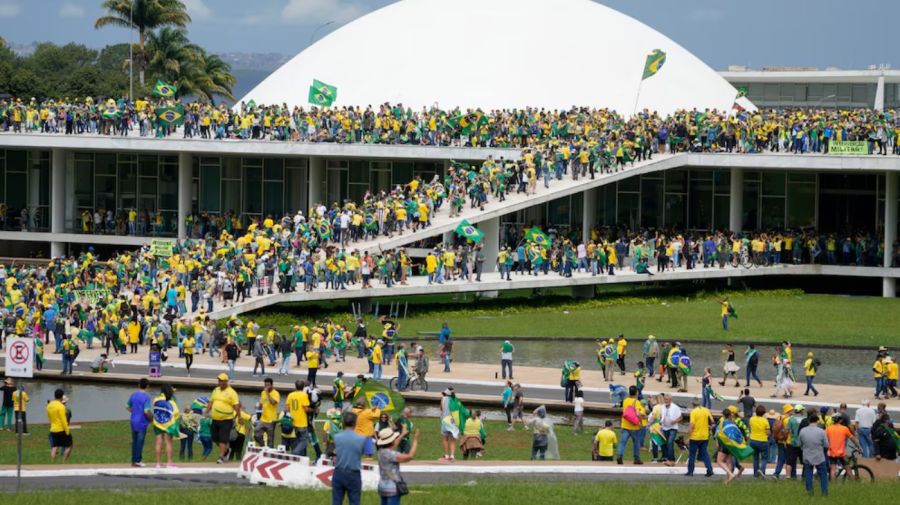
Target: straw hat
[771, 414]
[386, 437]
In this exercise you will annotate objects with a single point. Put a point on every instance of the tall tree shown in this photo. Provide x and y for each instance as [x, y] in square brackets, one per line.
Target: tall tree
[143, 16]
[217, 78]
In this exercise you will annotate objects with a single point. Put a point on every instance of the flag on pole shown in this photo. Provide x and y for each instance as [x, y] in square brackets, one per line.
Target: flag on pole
[164, 89]
[538, 237]
[378, 396]
[469, 232]
[655, 62]
[322, 94]
[170, 116]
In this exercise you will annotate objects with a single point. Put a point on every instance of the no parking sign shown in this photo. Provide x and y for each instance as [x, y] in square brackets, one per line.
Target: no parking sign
[20, 357]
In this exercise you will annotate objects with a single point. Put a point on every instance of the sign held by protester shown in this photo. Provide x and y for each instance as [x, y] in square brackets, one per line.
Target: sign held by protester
[161, 248]
[848, 147]
[93, 296]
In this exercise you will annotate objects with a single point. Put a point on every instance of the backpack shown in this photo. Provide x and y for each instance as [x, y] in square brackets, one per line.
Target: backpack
[780, 430]
[754, 359]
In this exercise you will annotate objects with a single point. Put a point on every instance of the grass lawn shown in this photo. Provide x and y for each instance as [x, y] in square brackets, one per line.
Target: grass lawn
[764, 316]
[493, 492]
[110, 442]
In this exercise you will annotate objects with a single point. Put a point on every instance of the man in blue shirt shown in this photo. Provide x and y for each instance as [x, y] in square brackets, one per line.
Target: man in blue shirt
[137, 404]
[349, 448]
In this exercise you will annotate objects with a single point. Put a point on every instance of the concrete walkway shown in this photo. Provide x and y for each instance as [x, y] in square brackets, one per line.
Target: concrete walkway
[477, 379]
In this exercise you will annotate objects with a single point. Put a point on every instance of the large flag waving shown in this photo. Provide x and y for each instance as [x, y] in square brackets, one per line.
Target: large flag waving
[378, 396]
[469, 232]
[538, 237]
[455, 423]
[655, 62]
[164, 89]
[732, 438]
[322, 94]
[170, 116]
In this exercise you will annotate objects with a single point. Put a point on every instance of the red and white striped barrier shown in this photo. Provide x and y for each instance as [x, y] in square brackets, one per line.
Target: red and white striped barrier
[279, 468]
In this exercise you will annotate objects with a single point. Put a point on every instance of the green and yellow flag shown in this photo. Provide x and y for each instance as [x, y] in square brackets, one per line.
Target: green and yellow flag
[538, 237]
[164, 89]
[322, 94]
[170, 116]
[378, 396]
[469, 232]
[655, 62]
[110, 112]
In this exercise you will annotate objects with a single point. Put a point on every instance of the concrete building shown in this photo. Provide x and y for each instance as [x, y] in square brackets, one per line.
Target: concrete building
[775, 88]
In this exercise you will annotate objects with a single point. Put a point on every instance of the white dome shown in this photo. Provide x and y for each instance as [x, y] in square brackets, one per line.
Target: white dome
[498, 54]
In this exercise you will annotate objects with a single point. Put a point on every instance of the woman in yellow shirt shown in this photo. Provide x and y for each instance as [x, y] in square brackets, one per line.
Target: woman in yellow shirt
[759, 440]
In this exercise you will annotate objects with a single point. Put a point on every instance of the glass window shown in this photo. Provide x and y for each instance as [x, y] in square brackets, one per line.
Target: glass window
[16, 161]
[651, 200]
[558, 211]
[787, 90]
[858, 93]
[252, 190]
[231, 168]
[607, 205]
[628, 205]
[296, 194]
[844, 91]
[801, 205]
[676, 181]
[701, 200]
[800, 93]
[630, 184]
[231, 196]
[210, 183]
[772, 213]
[401, 172]
[149, 166]
[273, 198]
[210, 160]
[676, 210]
[816, 91]
[105, 192]
[751, 206]
[16, 197]
[773, 183]
[105, 164]
[148, 186]
[797, 177]
[359, 173]
[274, 169]
[771, 92]
[722, 179]
[168, 187]
[720, 212]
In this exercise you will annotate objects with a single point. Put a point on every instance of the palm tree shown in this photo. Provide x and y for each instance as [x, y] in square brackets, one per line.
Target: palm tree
[217, 77]
[172, 58]
[143, 16]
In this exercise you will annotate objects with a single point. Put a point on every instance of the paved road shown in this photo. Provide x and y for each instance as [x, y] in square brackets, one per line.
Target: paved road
[539, 394]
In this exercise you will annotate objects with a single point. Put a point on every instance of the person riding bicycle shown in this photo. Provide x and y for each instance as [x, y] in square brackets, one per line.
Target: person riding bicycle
[421, 365]
[838, 434]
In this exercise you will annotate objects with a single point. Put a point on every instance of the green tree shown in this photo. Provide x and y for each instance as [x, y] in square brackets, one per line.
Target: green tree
[217, 79]
[144, 16]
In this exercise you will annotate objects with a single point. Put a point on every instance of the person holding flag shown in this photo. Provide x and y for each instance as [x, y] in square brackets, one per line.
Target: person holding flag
[732, 446]
[453, 421]
[164, 415]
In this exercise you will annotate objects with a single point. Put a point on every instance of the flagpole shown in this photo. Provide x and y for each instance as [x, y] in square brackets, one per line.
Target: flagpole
[638, 97]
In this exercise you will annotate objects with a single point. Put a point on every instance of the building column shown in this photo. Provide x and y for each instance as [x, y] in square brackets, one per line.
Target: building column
[736, 200]
[879, 93]
[185, 185]
[316, 179]
[491, 243]
[889, 284]
[57, 200]
[588, 213]
[448, 238]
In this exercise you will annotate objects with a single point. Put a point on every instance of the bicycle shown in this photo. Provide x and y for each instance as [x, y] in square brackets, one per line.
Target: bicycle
[413, 383]
[861, 473]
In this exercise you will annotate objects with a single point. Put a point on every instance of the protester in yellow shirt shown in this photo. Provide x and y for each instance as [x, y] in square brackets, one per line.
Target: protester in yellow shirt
[60, 435]
[605, 443]
[700, 421]
[633, 416]
[224, 406]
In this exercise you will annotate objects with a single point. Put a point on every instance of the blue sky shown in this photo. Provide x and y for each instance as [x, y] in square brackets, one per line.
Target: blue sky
[721, 32]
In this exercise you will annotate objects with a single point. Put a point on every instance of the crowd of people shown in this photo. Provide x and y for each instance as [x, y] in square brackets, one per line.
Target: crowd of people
[610, 135]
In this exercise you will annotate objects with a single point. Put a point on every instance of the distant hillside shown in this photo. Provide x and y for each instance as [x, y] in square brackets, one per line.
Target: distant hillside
[250, 69]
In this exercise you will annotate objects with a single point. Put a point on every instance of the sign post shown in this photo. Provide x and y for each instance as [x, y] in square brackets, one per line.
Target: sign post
[19, 364]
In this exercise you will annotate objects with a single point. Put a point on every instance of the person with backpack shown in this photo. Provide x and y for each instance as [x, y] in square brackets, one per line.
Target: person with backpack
[633, 416]
[781, 434]
[811, 366]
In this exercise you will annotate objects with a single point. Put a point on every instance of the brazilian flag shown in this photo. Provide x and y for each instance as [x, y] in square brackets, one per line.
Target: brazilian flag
[165, 415]
[674, 359]
[170, 116]
[684, 364]
[732, 438]
[110, 112]
[378, 396]
[370, 222]
[164, 89]
[324, 230]
[469, 232]
[538, 237]
[655, 62]
[322, 94]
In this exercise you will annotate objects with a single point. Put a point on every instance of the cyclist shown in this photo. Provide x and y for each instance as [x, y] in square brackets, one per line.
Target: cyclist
[837, 434]
[421, 366]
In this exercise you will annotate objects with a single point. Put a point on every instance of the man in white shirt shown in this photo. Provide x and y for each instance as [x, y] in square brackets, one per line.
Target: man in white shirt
[669, 415]
[865, 418]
